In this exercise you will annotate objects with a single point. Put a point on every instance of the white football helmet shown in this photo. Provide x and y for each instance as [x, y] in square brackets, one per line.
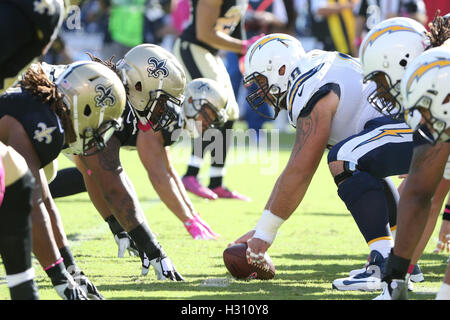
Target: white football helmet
[96, 99]
[385, 53]
[425, 87]
[154, 78]
[268, 66]
[206, 98]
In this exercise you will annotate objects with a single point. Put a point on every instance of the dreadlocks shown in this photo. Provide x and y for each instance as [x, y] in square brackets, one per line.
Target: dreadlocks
[38, 84]
[439, 30]
[110, 64]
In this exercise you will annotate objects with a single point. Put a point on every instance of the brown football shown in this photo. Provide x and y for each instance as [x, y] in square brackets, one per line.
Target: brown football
[235, 260]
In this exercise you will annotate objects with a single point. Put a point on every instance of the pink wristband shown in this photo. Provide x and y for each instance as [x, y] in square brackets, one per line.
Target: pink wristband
[54, 264]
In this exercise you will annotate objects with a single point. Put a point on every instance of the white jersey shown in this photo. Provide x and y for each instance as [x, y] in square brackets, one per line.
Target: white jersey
[319, 68]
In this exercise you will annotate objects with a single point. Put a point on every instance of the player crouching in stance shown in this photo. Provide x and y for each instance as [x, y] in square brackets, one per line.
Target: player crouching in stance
[424, 88]
[205, 102]
[39, 120]
[154, 81]
[328, 110]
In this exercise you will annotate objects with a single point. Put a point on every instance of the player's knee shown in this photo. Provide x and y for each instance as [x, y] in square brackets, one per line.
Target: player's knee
[17, 205]
[340, 170]
[336, 167]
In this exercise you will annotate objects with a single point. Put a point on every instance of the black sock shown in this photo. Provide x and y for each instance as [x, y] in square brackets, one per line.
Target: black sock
[146, 241]
[25, 291]
[57, 274]
[215, 182]
[69, 260]
[114, 225]
[192, 171]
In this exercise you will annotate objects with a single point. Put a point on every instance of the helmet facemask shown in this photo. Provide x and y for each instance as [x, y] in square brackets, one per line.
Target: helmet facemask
[206, 116]
[160, 110]
[437, 128]
[94, 140]
[260, 93]
[386, 96]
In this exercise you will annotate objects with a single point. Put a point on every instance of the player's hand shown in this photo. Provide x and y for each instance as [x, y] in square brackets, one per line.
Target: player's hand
[124, 242]
[165, 270]
[444, 238]
[243, 239]
[256, 250]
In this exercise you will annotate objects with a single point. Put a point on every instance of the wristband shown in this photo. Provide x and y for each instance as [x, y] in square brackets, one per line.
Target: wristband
[267, 226]
[446, 216]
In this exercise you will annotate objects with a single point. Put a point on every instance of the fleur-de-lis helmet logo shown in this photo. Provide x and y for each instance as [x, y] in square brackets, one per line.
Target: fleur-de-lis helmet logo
[157, 68]
[104, 96]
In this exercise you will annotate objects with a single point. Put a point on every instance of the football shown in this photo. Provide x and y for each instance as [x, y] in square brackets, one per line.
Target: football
[235, 261]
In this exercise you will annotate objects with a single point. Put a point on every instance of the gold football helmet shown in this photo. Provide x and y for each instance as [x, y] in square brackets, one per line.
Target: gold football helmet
[96, 98]
[155, 79]
[205, 101]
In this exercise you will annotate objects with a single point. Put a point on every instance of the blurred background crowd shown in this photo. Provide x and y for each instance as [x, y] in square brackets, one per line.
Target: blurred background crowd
[109, 28]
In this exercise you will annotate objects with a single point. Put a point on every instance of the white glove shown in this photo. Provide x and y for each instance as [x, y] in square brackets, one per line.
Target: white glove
[70, 290]
[124, 243]
[165, 270]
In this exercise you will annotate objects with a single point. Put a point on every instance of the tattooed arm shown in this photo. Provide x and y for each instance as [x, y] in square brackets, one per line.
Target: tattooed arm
[109, 186]
[425, 173]
[311, 139]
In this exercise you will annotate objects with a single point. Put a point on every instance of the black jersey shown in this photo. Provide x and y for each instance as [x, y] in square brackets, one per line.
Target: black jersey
[229, 22]
[40, 21]
[41, 124]
[127, 134]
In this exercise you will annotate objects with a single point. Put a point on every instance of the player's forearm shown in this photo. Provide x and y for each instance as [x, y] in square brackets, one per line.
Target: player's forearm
[333, 8]
[413, 213]
[290, 190]
[123, 201]
[168, 192]
[182, 190]
[221, 41]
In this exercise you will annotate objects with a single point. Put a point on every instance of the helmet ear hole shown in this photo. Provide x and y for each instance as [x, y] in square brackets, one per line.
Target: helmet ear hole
[403, 62]
[138, 86]
[282, 70]
[87, 110]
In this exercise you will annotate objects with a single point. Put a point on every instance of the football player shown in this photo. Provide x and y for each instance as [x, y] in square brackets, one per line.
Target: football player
[205, 102]
[378, 43]
[399, 41]
[27, 28]
[40, 119]
[214, 25]
[424, 89]
[326, 101]
[154, 80]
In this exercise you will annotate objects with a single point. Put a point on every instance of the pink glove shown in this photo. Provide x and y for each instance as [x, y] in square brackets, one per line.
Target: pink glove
[206, 226]
[197, 230]
[248, 43]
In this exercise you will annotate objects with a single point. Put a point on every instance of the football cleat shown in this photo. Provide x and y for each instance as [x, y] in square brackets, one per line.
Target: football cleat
[124, 242]
[165, 270]
[193, 185]
[224, 193]
[416, 275]
[70, 290]
[394, 290]
[368, 280]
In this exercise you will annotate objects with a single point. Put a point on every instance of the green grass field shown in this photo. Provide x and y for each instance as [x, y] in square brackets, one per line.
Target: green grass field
[320, 242]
